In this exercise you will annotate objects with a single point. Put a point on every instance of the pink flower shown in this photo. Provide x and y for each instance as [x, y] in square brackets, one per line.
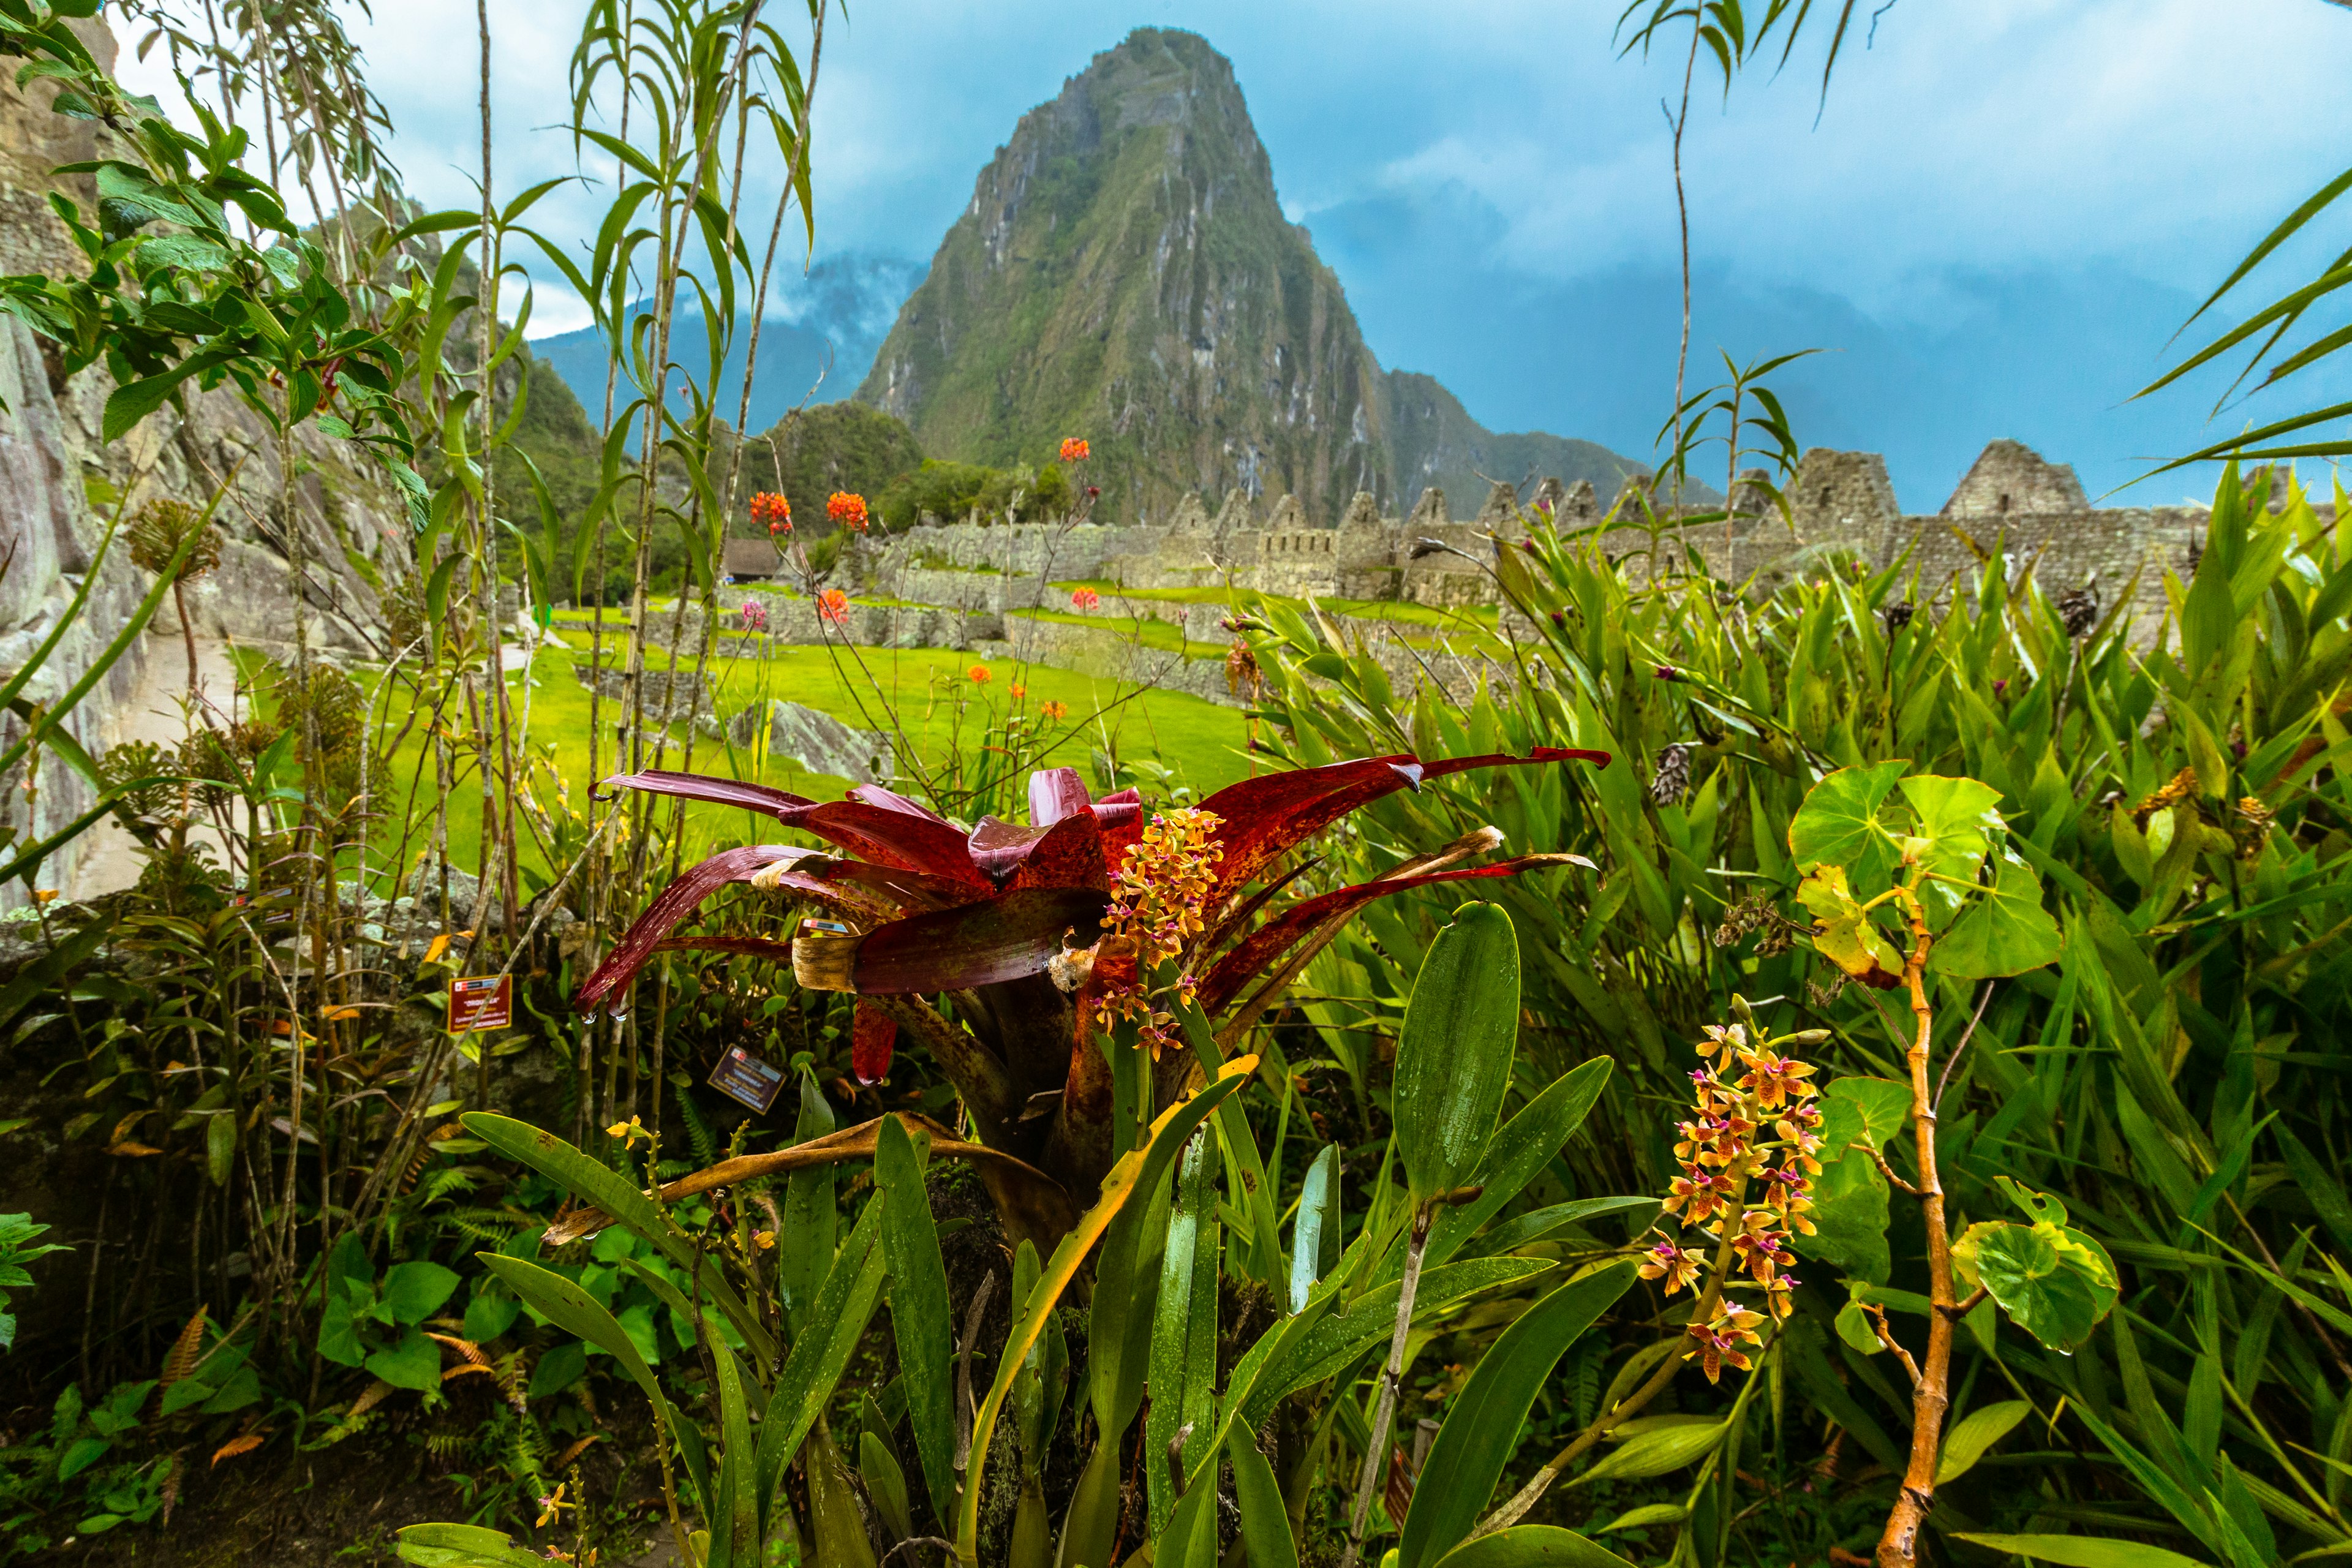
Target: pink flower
[1086, 599]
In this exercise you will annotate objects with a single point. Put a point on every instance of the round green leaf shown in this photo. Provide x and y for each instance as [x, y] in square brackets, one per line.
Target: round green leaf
[2004, 932]
[414, 1362]
[415, 1291]
[1839, 824]
[1453, 1057]
[2056, 1283]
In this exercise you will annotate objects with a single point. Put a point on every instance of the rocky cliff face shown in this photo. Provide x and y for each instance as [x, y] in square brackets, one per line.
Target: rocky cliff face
[1124, 272]
[52, 461]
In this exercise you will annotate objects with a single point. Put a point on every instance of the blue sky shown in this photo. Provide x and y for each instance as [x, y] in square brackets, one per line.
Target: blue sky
[1993, 225]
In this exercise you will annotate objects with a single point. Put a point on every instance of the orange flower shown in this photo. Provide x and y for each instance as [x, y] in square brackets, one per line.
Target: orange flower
[773, 510]
[1074, 450]
[848, 510]
[833, 605]
[1054, 710]
[1085, 599]
[1019, 691]
[976, 675]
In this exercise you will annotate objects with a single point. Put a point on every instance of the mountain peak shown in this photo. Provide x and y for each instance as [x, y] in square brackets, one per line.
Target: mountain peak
[1124, 272]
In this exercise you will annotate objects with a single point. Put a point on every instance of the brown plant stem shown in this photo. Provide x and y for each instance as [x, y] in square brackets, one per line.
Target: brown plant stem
[1375, 1448]
[1898, 1544]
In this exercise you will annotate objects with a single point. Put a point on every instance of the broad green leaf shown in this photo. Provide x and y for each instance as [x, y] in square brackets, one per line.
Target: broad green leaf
[1841, 824]
[1526, 1229]
[463, 1546]
[804, 1246]
[1873, 1110]
[734, 1514]
[844, 1304]
[1483, 1422]
[1454, 1054]
[415, 1291]
[575, 1311]
[1138, 1167]
[1185, 1329]
[1532, 1546]
[919, 1314]
[837, 1525]
[1846, 936]
[1648, 1515]
[1957, 819]
[1521, 1149]
[1315, 1234]
[2004, 932]
[1849, 1217]
[1265, 1522]
[2081, 1550]
[1332, 1344]
[598, 1184]
[886, 1483]
[2056, 1283]
[414, 1362]
[1656, 1452]
[1965, 1443]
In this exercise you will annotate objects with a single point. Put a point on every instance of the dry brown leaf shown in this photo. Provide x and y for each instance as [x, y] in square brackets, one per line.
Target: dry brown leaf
[235, 1446]
[375, 1396]
[563, 1460]
[182, 1361]
[132, 1150]
[464, 1367]
[465, 1348]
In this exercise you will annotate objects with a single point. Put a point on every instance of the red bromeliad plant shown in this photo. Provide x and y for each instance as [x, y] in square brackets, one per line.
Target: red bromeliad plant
[1071, 953]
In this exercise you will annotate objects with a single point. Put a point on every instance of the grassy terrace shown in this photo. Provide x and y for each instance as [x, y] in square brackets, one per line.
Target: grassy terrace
[937, 705]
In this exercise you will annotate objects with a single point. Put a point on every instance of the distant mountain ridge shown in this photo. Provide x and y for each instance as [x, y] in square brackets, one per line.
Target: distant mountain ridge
[1124, 272]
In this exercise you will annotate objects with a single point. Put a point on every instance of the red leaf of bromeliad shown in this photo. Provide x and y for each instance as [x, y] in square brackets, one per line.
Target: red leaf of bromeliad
[998, 846]
[1263, 948]
[1054, 794]
[982, 943]
[873, 1040]
[1266, 815]
[1069, 854]
[1444, 765]
[890, 800]
[783, 806]
[894, 837]
[911, 889]
[673, 905]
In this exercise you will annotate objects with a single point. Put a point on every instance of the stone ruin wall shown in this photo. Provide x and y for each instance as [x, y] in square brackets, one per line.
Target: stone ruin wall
[2011, 502]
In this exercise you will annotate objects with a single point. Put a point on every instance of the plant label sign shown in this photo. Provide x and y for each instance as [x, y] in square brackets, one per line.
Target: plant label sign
[743, 1077]
[480, 1005]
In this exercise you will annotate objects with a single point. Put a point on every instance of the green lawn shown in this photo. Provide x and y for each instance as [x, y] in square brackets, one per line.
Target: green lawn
[1474, 622]
[936, 704]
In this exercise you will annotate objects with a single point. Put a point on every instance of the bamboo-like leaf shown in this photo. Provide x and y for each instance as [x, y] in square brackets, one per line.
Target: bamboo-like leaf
[1965, 1443]
[1483, 1422]
[1655, 1453]
[920, 1318]
[2080, 1551]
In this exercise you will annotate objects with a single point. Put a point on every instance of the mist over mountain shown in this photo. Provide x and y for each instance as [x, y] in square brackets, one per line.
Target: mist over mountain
[821, 329]
[1124, 272]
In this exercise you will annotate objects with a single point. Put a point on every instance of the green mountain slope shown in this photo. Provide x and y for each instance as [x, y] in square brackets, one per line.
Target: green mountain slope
[1124, 272]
